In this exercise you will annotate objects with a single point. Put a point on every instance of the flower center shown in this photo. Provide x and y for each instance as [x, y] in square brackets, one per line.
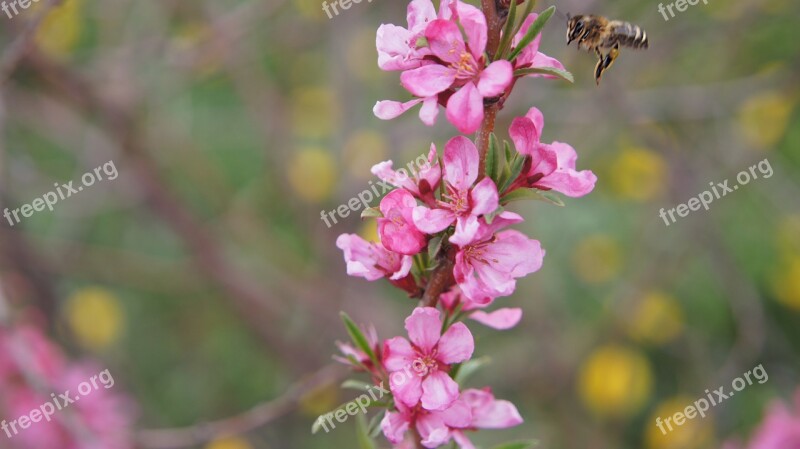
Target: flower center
[465, 67]
[477, 252]
[424, 365]
[456, 200]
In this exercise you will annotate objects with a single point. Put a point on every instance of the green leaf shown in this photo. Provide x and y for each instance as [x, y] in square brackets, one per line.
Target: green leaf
[371, 212]
[375, 424]
[516, 169]
[362, 433]
[490, 217]
[422, 41]
[491, 160]
[563, 74]
[525, 193]
[518, 445]
[434, 246]
[533, 31]
[352, 384]
[358, 337]
[508, 31]
[317, 424]
[468, 368]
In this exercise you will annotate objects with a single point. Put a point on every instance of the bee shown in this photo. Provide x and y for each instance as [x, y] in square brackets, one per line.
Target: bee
[605, 37]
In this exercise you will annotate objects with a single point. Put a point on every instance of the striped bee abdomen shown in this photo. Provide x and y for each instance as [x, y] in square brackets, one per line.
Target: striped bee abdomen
[628, 35]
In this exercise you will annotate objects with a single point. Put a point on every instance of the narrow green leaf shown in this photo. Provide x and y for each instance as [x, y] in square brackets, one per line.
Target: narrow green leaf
[525, 193]
[352, 384]
[434, 246]
[362, 433]
[468, 368]
[533, 31]
[491, 160]
[371, 212]
[516, 169]
[358, 337]
[490, 217]
[563, 74]
[317, 424]
[375, 424]
[518, 445]
[508, 31]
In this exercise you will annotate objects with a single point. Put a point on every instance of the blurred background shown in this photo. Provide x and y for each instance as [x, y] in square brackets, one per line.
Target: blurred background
[205, 280]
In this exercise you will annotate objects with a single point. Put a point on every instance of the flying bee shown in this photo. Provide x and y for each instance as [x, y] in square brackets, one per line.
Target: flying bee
[605, 37]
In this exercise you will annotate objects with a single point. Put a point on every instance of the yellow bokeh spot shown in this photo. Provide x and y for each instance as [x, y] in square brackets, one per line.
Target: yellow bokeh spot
[95, 317]
[312, 174]
[786, 283]
[597, 259]
[788, 235]
[314, 112]
[657, 318]
[311, 9]
[229, 443]
[320, 401]
[763, 118]
[695, 433]
[60, 30]
[362, 58]
[615, 381]
[363, 150]
[369, 230]
[637, 174]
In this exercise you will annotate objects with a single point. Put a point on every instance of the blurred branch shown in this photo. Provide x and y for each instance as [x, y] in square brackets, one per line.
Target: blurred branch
[16, 51]
[252, 419]
[256, 308]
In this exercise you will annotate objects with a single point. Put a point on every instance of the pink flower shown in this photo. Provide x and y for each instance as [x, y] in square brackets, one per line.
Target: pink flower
[462, 203]
[487, 413]
[396, 227]
[500, 319]
[372, 261]
[530, 57]
[551, 166]
[488, 267]
[421, 184]
[433, 426]
[348, 350]
[418, 369]
[459, 76]
[397, 46]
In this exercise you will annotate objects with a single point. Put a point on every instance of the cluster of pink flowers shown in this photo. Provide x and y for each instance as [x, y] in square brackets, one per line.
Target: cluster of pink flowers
[31, 370]
[449, 220]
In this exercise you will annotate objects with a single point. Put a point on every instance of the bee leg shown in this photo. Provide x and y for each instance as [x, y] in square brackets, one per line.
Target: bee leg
[605, 62]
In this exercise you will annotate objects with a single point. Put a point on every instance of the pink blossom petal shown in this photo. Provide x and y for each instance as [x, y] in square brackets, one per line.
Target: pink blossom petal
[429, 111]
[484, 197]
[388, 109]
[525, 135]
[458, 415]
[495, 79]
[465, 109]
[406, 386]
[424, 327]
[428, 80]
[462, 440]
[394, 426]
[393, 49]
[473, 21]
[466, 228]
[541, 60]
[445, 40]
[498, 415]
[433, 430]
[398, 354]
[456, 345]
[461, 161]
[419, 14]
[406, 262]
[566, 179]
[500, 319]
[438, 391]
[431, 221]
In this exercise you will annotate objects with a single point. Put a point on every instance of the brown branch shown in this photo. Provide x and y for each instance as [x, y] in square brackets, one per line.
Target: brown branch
[256, 417]
[16, 51]
[256, 308]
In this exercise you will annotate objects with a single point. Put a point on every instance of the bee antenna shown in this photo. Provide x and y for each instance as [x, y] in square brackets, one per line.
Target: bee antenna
[569, 17]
